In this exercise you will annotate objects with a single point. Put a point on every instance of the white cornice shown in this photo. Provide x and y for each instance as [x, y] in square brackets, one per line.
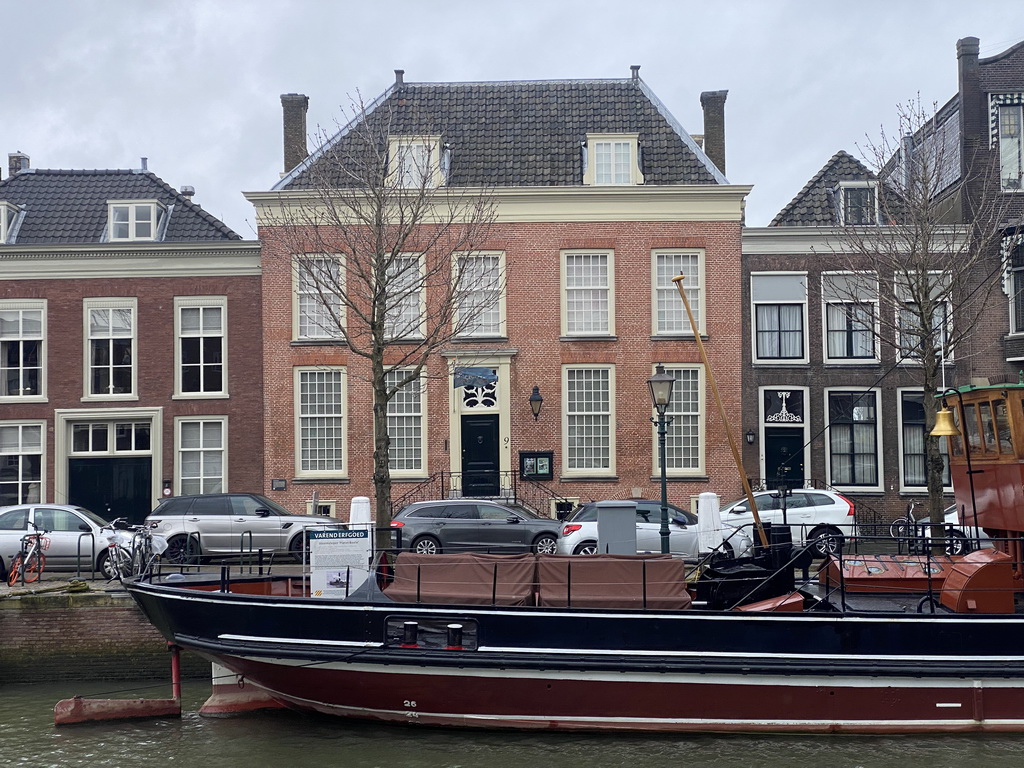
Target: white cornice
[66, 262]
[796, 241]
[697, 202]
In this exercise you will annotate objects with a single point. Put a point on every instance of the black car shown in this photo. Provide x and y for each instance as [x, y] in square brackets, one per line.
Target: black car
[464, 525]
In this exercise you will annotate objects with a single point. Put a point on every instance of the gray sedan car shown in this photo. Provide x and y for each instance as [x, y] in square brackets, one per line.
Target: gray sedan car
[76, 539]
[463, 525]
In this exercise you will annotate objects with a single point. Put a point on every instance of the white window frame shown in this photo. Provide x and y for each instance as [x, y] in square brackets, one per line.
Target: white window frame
[404, 326]
[180, 481]
[8, 216]
[468, 291]
[878, 449]
[568, 470]
[201, 303]
[340, 471]
[803, 358]
[134, 222]
[622, 171]
[414, 162]
[23, 306]
[1010, 148]
[1013, 254]
[130, 304]
[416, 419]
[28, 494]
[867, 298]
[668, 315]
[844, 188]
[673, 435]
[943, 445]
[312, 320]
[608, 290]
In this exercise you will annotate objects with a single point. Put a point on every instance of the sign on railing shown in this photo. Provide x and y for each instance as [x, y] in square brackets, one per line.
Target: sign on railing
[339, 561]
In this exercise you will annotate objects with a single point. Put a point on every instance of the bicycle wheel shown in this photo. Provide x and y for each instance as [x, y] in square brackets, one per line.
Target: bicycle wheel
[899, 528]
[14, 573]
[34, 566]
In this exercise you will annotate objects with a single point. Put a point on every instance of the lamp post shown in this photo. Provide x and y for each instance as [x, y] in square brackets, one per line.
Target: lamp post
[661, 384]
[946, 427]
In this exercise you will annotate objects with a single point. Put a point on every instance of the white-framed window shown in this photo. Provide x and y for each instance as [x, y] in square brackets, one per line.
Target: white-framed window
[407, 425]
[854, 439]
[779, 309]
[318, 308]
[201, 352]
[8, 217]
[1015, 259]
[134, 220]
[480, 286]
[416, 162]
[913, 467]
[107, 438]
[1010, 129]
[21, 462]
[850, 310]
[22, 349]
[588, 293]
[111, 330]
[910, 336]
[589, 420]
[321, 410]
[858, 203]
[612, 159]
[201, 454]
[405, 309]
[669, 313]
[684, 436]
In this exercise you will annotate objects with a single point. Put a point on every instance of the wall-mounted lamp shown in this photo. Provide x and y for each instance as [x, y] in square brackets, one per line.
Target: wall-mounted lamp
[751, 437]
[536, 401]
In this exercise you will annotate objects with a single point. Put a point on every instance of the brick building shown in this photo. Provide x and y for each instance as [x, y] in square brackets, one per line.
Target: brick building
[130, 345]
[600, 197]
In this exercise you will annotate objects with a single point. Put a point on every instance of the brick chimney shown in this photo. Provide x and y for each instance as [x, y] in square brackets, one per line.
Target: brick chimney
[973, 120]
[16, 162]
[713, 103]
[294, 106]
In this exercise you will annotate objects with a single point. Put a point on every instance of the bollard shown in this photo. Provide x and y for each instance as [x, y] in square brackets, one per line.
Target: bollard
[454, 637]
[409, 632]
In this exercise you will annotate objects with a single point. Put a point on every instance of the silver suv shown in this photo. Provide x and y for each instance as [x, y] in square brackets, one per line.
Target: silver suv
[228, 524]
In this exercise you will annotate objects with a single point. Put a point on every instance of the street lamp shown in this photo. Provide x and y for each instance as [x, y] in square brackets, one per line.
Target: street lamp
[661, 384]
[536, 400]
[946, 427]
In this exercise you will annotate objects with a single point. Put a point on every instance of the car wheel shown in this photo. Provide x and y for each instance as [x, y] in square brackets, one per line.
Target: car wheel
[426, 545]
[586, 548]
[106, 566]
[826, 541]
[180, 550]
[956, 543]
[545, 544]
[295, 548]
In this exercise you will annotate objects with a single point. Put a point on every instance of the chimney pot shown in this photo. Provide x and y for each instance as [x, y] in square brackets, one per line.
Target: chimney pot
[187, 191]
[145, 163]
[635, 69]
[294, 107]
[399, 76]
[17, 162]
[713, 103]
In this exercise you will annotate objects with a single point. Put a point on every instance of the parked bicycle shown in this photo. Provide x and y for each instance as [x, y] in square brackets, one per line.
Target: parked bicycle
[916, 532]
[132, 550]
[27, 566]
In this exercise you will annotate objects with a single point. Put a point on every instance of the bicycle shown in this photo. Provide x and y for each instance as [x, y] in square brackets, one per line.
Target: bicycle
[910, 529]
[29, 563]
[132, 550]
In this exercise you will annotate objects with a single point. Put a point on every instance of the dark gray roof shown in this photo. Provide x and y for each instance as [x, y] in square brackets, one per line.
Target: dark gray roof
[66, 206]
[525, 133]
[814, 205]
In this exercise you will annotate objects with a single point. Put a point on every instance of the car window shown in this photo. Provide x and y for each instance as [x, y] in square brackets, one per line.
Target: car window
[494, 513]
[263, 502]
[91, 516]
[796, 501]
[248, 505]
[820, 500]
[585, 514]
[432, 512]
[174, 507]
[462, 511]
[14, 520]
[57, 519]
[213, 505]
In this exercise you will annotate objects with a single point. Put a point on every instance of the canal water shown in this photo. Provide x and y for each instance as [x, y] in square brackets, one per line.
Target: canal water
[286, 739]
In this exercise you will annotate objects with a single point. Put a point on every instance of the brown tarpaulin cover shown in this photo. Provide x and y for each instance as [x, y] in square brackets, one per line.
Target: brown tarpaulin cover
[612, 581]
[464, 579]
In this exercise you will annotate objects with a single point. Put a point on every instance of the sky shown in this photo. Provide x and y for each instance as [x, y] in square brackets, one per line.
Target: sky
[195, 85]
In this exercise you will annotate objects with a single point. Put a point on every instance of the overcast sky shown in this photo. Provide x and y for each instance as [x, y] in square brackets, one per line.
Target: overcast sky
[195, 85]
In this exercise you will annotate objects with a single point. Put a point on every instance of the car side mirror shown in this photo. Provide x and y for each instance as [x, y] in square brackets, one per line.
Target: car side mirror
[84, 527]
[263, 512]
[737, 510]
[511, 519]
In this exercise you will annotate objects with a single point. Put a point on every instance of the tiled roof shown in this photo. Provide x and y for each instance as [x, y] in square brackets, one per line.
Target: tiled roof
[527, 133]
[814, 205]
[66, 206]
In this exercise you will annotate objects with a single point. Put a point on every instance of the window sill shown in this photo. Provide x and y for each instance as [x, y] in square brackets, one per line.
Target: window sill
[15, 399]
[682, 478]
[609, 337]
[333, 342]
[200, 396]
[588, 478]
[326, 479]
[772, 363]
[110, 398]
[851, 362]
[677, 337]
[480, 340]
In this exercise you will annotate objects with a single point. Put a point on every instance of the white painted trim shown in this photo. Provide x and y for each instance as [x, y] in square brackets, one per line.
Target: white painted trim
[113, 302]
[879, 447]
[31, 305]
[200, 302]
[338, 474]
[41, 423]
[612, 420]
[225, 437]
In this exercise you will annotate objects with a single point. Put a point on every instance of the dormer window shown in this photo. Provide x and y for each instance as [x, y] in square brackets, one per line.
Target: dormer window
[417, 162]
[858, 203]
[134, 220]
[612, 159]
[8, 215]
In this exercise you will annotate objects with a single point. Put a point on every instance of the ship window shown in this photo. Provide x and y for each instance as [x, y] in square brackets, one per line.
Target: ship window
[971, 422]
[1002, 418]
[988, 427]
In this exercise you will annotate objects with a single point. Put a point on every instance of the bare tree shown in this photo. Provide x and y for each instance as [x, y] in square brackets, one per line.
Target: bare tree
[919, 258]
[386, 259]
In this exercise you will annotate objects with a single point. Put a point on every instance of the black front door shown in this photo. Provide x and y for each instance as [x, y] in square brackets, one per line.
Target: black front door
[112, 487]
[480, 469]
[783, 457]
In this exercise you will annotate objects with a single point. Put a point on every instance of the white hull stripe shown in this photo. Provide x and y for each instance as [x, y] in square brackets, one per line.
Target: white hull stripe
[300, 641]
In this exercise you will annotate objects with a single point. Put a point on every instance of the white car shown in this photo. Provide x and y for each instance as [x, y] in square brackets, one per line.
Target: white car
[959, 533]
[825, 519]
[578, 535]
[76, 537]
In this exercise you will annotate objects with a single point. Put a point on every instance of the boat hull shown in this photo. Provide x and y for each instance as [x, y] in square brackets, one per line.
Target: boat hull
[611, 670]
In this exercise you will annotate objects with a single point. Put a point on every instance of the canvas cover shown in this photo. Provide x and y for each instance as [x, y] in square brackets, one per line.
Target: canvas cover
[463, 579]
[612, 581]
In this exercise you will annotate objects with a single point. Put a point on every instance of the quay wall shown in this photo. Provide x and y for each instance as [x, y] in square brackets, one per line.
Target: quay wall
[83, 636]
